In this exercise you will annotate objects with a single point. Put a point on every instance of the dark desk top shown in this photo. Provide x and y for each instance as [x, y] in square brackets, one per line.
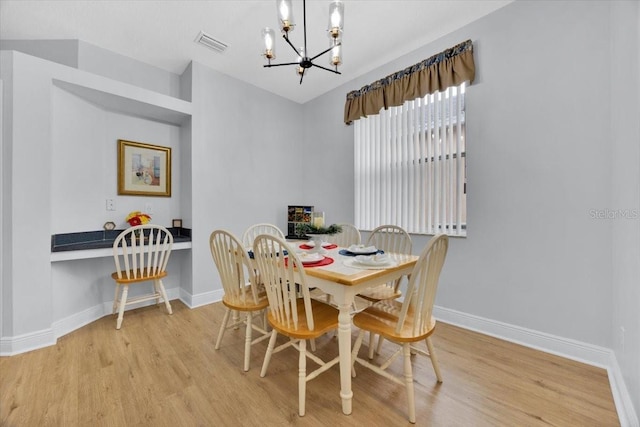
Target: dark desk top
[102, 239]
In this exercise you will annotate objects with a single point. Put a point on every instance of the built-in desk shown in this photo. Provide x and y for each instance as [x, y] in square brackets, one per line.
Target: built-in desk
[98, 244]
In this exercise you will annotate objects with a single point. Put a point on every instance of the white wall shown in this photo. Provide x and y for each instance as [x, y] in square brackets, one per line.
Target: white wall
[533, 257]
[84, 165]
[545, 148]
[103, 62]
[59, 164]
[328, 158]
[625, 196]
[245, 163]
[539, 134]
[27, 206]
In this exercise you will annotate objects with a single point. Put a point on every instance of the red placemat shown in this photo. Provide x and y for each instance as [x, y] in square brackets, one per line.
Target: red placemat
[307, 247]
[326, 261]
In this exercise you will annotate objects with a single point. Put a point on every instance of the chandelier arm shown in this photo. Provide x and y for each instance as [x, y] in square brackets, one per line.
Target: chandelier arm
[324, 51]
[291, 44]
[302, 75]
[325, 68]
[278, 65]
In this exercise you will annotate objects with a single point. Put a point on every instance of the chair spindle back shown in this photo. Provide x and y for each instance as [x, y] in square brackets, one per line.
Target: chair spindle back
[284, 280]
[423, 285]
[142, 251]
[234, 267]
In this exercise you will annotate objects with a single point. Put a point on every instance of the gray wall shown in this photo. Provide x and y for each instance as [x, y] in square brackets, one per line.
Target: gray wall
[553, 135]
[552, 131]
[625, 195]
[245, 163]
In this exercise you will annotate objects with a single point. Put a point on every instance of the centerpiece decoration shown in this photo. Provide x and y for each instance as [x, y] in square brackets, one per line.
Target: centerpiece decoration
[138, 218]
[313, 230]
[318, 233]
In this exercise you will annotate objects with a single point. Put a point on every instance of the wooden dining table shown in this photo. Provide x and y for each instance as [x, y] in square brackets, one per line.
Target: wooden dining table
[343, 283]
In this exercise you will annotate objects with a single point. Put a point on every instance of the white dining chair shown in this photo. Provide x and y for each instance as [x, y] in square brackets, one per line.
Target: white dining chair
[263, 228]
[406, 323]
[242, 293]
[292, 312]
[349, 235]
[141, 254]
[394, 239]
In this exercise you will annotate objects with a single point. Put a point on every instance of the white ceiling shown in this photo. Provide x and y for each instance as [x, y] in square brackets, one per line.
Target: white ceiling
[162, 33]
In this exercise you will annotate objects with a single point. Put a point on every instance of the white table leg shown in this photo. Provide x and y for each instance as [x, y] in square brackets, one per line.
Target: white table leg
[344, 345]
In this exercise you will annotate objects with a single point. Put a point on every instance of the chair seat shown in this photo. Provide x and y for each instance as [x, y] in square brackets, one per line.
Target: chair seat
[249, 305]
[382, 318]
[325, 319]
[137, 277]
[381, 292]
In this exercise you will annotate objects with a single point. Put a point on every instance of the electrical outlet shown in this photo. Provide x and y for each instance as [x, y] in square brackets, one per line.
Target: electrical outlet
[111, 205]
[148, 208]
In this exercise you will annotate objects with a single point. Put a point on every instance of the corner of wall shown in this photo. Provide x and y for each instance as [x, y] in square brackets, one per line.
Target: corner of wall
[115, 66]
[63, 52]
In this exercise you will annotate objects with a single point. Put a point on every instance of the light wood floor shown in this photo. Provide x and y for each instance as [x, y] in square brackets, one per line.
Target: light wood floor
[162, 370]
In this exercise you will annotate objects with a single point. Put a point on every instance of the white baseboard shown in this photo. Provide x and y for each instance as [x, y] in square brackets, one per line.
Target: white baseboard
[565, 347]
[193, 301]
[10, 346]
[621, 396]
[571, 349]
[76, 321]
[26, 342]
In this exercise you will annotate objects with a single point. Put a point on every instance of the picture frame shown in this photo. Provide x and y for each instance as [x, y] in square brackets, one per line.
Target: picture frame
[143, 169]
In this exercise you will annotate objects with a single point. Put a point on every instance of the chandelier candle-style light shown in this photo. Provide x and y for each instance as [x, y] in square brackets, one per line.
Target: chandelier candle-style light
[304, 62]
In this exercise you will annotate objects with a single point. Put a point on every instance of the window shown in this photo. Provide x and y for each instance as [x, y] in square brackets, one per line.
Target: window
[410, 165]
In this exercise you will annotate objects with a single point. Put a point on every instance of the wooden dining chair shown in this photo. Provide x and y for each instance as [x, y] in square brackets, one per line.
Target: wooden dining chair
[394, 239]
[292, 312]
[242, 293]
[389, 238]
[406, 323]
[263, 228]
[141, 254]
[349, 235]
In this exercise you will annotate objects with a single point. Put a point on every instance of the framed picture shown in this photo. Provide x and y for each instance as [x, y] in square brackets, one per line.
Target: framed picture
[143, 169]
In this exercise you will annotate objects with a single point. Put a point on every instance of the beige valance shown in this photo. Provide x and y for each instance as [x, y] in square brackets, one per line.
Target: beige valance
[447, 68]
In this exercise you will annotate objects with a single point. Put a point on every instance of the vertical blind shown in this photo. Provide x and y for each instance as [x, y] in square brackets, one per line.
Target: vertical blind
[410, 165]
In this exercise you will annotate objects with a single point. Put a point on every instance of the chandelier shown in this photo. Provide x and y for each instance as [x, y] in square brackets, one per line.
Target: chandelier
[304, 62]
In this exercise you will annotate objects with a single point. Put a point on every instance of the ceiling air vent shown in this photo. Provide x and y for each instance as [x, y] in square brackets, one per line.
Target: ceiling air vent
[208, 41]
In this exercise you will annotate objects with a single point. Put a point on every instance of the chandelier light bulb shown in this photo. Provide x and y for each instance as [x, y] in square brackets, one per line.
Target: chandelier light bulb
[269, 38]
[285, 15]
[336, 18]
[335, 57]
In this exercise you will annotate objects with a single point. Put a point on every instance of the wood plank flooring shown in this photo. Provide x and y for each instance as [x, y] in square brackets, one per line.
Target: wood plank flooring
[162, 370]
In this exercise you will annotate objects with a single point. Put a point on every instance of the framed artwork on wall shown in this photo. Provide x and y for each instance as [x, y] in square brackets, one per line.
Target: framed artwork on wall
[143, 169]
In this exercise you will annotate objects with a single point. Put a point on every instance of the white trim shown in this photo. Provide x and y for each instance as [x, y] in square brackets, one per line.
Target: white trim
[570, 349]
[77, 320]
[101, 253]
[565, 347]
[621, 397]
[10, 346]
[193, 301]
